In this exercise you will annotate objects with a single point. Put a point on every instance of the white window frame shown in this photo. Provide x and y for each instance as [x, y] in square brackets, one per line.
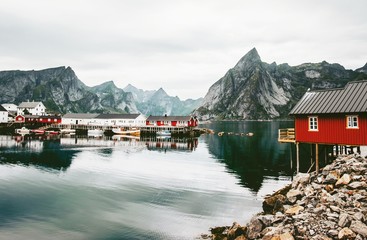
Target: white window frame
[313, 123]
[352, 122]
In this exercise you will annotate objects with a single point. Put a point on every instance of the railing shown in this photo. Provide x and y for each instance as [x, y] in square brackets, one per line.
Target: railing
[286, 135]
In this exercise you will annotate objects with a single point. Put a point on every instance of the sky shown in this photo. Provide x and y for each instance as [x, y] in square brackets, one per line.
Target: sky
[183, 46]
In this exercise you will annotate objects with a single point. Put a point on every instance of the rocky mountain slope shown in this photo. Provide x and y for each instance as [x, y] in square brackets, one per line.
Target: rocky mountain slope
[253, 89]
[158, 102]
[61, 91]
[58, 88]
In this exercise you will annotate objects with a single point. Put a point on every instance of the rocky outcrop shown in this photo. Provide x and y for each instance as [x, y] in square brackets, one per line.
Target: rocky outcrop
[253, 89]
[328, 205]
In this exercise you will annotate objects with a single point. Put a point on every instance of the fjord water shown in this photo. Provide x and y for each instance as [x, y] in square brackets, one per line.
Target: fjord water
[147, 188]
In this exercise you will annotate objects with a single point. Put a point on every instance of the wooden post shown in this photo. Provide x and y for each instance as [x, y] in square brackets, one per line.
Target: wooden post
[317, 157]
[297, 155]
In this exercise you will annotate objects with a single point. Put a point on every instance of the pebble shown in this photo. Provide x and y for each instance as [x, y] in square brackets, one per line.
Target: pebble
[328, 205]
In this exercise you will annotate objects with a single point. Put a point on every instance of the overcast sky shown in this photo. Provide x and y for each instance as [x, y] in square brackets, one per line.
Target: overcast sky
[183, 46]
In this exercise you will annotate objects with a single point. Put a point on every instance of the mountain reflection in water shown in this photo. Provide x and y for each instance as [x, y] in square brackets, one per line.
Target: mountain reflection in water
[252, 158]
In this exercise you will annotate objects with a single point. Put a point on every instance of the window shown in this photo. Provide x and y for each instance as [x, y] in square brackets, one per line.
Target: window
[312, 124]
[352, 121]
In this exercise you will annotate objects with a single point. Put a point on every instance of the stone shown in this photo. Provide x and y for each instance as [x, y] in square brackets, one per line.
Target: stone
[331, 178]
[359, 216]
[254, 228]
[357, 185]
[346, 233]
[333, 233]
[335, 208]
[344, 220]
[294, 210]
[286, 236]
[274, 204]
[293, 194]
[344, 180]
[359, 227]
[300, 178]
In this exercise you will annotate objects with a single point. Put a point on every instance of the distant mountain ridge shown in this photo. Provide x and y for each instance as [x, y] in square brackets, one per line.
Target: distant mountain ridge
[253, 89]
[61, 92]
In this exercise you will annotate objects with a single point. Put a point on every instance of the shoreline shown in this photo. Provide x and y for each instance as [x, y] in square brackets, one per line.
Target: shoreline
[328, 205]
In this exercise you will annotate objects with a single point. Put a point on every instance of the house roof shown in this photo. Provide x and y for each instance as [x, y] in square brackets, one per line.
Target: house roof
[2, 109]
[29, 104]
[350, 99]
[81, 115]
[169, 118]
[117, 116]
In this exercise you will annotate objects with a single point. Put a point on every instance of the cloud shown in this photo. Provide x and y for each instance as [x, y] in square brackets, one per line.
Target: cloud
[165, 43]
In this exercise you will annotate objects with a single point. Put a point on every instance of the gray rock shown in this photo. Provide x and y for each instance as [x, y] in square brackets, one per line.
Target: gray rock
[300, 178]
[344, 220]
[359, 227]
[357, 185]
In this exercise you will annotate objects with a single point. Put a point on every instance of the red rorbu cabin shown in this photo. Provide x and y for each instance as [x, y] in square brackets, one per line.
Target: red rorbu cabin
[333, 117]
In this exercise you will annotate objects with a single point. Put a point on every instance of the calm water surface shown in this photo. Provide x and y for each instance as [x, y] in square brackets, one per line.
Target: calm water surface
[122, 188]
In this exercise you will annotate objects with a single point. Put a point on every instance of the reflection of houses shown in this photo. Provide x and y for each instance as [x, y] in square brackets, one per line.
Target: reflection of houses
[164, 143]
[174, 124]
[335, 117]
[31, 108]
[3, 115]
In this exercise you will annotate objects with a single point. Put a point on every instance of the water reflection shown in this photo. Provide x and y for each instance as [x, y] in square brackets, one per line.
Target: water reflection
[251, 158]
[165, 144]
[35, 151]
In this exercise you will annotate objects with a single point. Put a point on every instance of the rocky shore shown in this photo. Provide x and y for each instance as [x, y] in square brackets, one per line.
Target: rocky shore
[328, 205]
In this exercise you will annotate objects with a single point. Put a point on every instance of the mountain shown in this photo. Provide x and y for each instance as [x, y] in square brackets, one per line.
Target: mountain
[112, 98]
[158, 102]
[60, 90]
[362, 69]
[253, 89]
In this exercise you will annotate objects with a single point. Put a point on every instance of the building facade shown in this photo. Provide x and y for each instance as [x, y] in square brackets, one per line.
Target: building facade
[31, 108]
[335, 116]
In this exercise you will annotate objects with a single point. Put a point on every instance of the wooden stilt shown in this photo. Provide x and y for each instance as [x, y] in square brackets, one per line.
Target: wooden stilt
[317, 157]
[297, 155]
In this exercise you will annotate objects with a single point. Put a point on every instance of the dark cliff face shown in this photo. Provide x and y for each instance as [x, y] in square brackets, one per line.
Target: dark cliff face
[253, 89]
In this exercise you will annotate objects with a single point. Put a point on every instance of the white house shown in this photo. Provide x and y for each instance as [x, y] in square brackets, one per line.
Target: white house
[3, 115]
[10, 107]
[120, 120]
[33, 108]
[78, 118]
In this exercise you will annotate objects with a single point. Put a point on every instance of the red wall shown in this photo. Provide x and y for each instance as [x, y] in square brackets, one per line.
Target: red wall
[332, 129]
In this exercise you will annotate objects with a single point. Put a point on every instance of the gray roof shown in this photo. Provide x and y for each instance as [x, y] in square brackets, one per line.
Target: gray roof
[81, 115]
[350, 99]
[169, 118]
[28, 104]
[118, 116]
[2, 109]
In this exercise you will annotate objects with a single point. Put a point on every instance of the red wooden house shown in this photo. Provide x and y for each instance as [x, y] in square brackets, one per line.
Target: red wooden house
[333, 117]
[37, 119]
[172, 121]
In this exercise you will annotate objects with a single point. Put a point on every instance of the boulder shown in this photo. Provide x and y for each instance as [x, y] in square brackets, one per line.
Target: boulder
[359, 227]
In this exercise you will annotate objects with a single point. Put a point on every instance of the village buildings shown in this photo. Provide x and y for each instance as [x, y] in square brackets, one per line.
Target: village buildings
[31, 108]
[3, 115]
